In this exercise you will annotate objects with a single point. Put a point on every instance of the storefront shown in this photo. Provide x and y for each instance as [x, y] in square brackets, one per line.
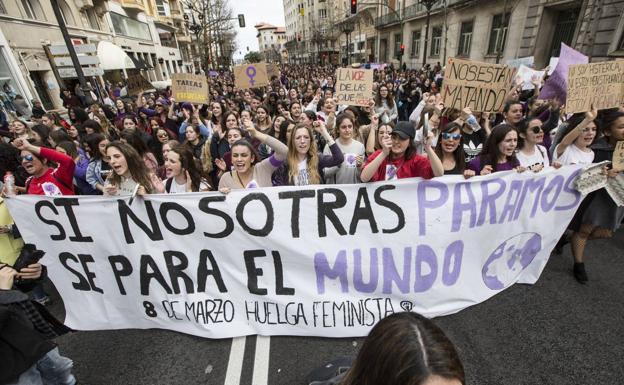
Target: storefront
[15, 96]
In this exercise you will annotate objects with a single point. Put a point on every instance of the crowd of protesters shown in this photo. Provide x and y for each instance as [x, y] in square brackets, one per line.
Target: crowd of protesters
[293, 132]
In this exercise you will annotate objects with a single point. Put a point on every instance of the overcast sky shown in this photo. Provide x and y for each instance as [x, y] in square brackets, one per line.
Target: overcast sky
[255, 11]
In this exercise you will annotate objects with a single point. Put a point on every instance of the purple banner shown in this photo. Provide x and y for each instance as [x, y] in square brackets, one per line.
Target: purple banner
[557, 84]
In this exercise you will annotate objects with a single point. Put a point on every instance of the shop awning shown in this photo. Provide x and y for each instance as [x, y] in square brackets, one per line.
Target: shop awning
[112, 57]
[140, 64]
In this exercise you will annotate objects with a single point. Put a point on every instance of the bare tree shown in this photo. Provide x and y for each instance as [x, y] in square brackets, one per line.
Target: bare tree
[214, 30]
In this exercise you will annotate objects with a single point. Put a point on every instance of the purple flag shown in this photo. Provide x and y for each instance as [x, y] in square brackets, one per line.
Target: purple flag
[557, 84]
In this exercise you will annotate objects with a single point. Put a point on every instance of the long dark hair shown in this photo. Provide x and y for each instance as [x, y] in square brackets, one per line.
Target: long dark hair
[389, 98]
[282, 130]
[405, 349]
[93, 141]
[136, 166]
[491, 153]
[606, 119]
[458, 154]
[245, 143]
[188, 162]
[133, 138]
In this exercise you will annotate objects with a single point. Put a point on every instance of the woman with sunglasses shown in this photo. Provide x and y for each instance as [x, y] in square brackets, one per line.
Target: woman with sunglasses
[572, 145]
[449, 148]
[531, 154]
[45, 180]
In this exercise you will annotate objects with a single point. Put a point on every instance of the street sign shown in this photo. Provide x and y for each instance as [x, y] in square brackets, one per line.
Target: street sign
[80, 48]
[89, 71]
[84, 60]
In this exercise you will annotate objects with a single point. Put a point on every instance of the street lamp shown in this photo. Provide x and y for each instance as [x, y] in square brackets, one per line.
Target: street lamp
[428, 4]
[347, 28]
[196, 29]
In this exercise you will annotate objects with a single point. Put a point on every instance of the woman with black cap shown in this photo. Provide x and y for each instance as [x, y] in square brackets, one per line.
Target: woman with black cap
[399, 159]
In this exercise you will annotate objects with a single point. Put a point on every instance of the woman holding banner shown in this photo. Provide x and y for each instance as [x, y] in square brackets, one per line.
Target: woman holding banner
[183, 173]
[353, 151]
[398, 157]
[599, 216]
[247, 169]
[130, 175]
[499, 152]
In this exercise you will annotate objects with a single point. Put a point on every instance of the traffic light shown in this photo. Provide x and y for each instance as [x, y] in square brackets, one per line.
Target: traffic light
[402, 50]
[241, 20]
[353, 7]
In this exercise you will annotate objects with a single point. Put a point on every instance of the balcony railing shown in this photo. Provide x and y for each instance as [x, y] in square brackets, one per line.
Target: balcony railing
[133, 4]
[128, 27]
[414, 11]
[390, 18]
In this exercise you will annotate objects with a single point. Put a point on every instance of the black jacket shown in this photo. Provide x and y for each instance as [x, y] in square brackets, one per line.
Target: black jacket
[21, 345]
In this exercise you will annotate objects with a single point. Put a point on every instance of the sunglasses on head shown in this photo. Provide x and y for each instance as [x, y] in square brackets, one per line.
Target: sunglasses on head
[163, 135]
[447, 136]
[537, 129]
[28, 158]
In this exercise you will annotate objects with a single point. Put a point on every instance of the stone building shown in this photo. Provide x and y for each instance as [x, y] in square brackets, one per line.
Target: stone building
[271, 40]
[130, 36]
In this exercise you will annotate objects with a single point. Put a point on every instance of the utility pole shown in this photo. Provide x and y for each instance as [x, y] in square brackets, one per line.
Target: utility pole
[72, 52]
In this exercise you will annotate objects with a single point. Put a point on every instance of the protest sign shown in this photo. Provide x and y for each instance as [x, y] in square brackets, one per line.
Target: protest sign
[526, 76]
[251, 75]
[557, 84]
[318, 261]
[618, 156]
[597, 84]
[354, 86]
[480, 86]
[189, 88]
[136, 84]
[272, 70]
[523, 61]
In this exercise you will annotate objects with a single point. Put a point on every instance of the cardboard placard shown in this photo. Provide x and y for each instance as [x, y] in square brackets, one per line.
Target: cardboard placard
[480, 86]
[251, 75]
[272, 70]
[597, 84]
[135, 84]
[190, 88]
[354, 86]
[618, 156]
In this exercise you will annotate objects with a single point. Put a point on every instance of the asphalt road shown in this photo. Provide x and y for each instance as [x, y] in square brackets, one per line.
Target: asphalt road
[554, 332]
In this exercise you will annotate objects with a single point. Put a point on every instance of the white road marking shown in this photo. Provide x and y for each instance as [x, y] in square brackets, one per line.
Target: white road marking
[261, 361]
[235, 362]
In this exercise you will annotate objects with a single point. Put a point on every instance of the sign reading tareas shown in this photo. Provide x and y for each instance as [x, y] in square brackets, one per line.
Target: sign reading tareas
[480, 86]
[354, 86]
[597, 84]
[189, 88]
[251, 76]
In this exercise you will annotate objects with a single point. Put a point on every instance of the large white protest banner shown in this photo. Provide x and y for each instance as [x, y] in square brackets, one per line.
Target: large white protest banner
[317, 261]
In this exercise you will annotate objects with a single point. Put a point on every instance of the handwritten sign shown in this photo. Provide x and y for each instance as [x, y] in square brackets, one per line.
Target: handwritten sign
[597, 84]
[136, 84]
[251, 75]
[315, 261]
[189, 88]
[480, 86]
[354, 86]
[618, 156]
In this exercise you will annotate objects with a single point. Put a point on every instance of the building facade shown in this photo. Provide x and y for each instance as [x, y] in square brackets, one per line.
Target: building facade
[271, 42]
[129, 35]
[484, 30]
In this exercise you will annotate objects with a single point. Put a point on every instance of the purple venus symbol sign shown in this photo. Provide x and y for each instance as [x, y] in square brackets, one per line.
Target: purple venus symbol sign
[251, 74]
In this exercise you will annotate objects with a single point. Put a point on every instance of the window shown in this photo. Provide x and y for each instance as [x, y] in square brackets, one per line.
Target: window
[465, 38]
[322, 13]
[68, 16]
[436, 41]
[415, 50]
[498, 34]
[33, 9]
[397, 44]
[360, 46]
[162, 7]
[90, 19]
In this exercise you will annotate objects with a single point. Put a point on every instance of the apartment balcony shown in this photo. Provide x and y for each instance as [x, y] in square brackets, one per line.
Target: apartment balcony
[134, 5]
[386, 20]
[177, 14]
[184, 39]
